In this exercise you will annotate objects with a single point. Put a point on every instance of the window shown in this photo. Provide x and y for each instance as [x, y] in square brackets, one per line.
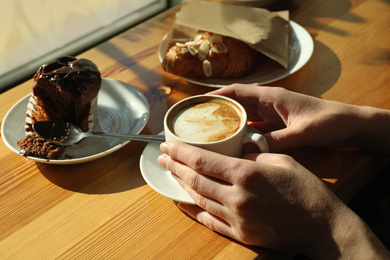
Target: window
[34, 32]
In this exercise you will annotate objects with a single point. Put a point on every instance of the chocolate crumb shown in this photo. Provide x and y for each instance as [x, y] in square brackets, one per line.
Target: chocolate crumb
[36, 146]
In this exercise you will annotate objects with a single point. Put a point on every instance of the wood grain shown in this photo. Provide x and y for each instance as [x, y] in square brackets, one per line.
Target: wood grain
[104, 209]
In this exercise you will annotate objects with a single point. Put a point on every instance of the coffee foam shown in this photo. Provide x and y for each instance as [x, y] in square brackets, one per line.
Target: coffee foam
[207, 121]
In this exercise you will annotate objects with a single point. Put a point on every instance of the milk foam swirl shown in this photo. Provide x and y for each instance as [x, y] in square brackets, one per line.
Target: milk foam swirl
[208, 121]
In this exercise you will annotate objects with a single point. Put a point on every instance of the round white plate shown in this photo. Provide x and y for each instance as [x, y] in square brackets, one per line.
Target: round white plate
[159, 178]
[121, 109]
[301, 48]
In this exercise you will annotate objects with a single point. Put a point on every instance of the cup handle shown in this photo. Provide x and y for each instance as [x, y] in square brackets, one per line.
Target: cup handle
[257, 138]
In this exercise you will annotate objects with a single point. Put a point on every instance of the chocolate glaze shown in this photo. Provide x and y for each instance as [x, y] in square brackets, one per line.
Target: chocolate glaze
[77, 77]
[62, 91]
[64, 88]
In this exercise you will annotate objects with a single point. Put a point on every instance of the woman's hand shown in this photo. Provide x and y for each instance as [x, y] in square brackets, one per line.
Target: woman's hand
[267, 200]
[290, 119]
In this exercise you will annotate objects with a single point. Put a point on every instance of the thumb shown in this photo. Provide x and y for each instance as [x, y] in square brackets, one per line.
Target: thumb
[282, 139]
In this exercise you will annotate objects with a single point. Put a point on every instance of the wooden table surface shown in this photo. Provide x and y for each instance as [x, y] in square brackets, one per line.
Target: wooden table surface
[105, 210]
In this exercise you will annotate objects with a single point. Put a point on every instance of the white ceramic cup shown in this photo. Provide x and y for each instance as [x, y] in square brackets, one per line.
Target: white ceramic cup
[230, 146]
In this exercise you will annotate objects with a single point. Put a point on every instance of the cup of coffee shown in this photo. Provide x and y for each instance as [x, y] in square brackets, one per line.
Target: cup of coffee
[212, 122]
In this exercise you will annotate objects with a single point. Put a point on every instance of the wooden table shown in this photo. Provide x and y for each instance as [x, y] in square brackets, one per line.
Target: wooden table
[104, 209]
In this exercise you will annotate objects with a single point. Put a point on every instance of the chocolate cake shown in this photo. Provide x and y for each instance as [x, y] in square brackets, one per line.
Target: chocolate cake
[36, 146]
[66, 90]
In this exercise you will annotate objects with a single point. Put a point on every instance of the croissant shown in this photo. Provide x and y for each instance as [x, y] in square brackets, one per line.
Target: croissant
[210, 55]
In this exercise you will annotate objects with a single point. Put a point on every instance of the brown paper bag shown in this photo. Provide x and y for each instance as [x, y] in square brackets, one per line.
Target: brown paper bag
[264, 30]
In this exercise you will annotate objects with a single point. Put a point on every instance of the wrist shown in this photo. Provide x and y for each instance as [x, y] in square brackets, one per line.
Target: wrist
[350, 238]
[374, 129]
[355, 239]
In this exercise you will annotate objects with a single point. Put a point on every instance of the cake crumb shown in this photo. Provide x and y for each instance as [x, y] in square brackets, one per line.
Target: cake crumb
[36, 146]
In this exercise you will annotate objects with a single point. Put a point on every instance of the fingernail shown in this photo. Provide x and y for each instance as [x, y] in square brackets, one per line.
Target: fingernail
[164, 147]
[162, 160]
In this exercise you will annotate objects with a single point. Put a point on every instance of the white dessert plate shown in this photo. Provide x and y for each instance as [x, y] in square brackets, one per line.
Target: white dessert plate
[159, 178]
[301, 48]
[121, 109]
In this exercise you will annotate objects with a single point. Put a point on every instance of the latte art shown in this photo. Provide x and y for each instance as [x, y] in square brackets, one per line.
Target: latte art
[208, 121]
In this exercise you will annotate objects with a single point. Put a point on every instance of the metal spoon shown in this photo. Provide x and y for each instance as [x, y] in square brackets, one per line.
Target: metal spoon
[64, 133]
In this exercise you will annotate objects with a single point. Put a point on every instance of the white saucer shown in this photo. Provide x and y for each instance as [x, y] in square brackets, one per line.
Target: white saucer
[301, 48]
[121, 109]
[159, 178]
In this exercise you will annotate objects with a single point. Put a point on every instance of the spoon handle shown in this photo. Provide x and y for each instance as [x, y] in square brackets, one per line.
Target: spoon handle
[144, 138]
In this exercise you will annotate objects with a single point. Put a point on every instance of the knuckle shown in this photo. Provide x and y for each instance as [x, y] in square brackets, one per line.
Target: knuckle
[281, 160]
[239, 204]
[286, 160]
[192, 181]
[242, 206]
[197, 161]
[201, 202]
[209, 223]
[279, 91]
[247, 175]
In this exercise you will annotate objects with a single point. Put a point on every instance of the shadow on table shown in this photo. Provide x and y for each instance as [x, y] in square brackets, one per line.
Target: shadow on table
[111, 174]
[317, 76]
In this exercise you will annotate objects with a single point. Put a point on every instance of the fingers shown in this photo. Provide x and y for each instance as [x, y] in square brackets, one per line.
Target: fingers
[289, 137]
[209, 220]
[208, 203]
[194, 183]
[275, 142]
[236, 90]
[204, 190]
[200, 160]
[244, 94]
[271, 160]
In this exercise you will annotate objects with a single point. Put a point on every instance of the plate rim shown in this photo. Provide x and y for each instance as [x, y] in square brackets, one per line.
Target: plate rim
[85, 158]
[302, 35]
[146, 175]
